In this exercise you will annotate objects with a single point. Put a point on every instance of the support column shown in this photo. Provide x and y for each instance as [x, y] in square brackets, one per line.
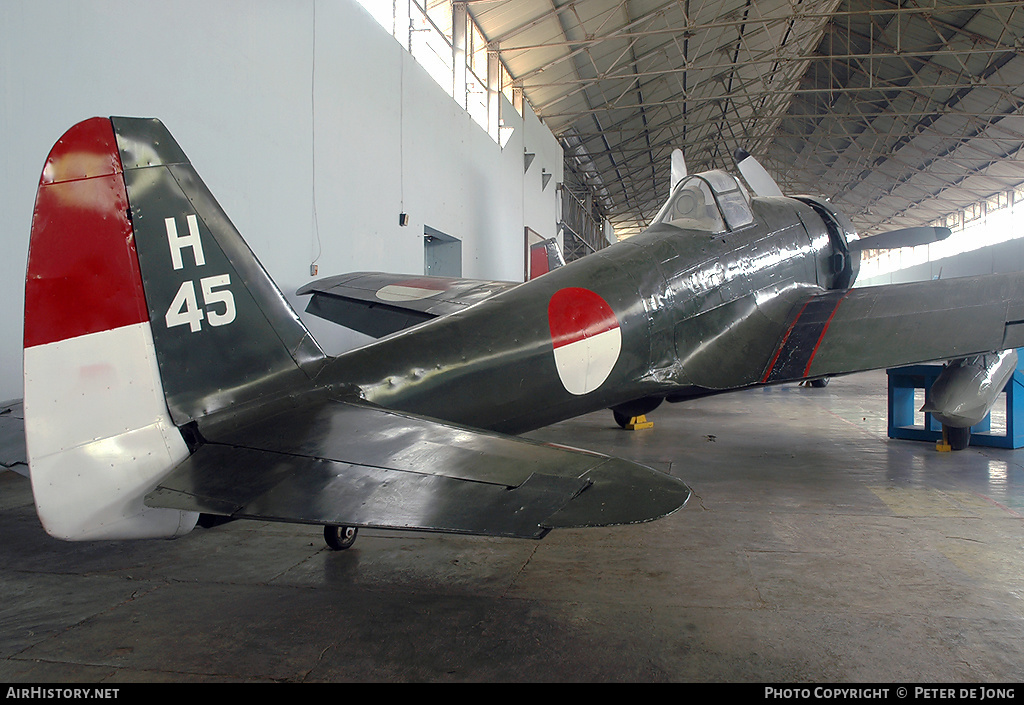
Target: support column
[403, 24]
[493, 94]
[459, 52]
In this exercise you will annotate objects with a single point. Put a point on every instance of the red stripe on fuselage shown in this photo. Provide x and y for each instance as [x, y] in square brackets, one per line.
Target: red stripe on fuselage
[785, 338]
[823, 331]
[83, 272]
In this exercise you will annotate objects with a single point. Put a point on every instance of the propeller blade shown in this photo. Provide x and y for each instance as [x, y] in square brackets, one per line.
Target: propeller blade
[678, 168]
[905, 237]
[756, 176]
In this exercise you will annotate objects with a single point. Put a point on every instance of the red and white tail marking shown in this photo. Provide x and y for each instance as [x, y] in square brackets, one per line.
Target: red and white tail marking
[586, 338]
[96, 424]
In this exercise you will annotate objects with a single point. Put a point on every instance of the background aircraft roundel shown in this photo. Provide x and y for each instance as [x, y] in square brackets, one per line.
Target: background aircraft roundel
[586, 338]
[411, 290]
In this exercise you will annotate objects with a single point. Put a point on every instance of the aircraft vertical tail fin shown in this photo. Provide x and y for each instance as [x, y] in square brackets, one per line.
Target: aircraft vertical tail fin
[545, 256]
[144, 311]
[225, 335]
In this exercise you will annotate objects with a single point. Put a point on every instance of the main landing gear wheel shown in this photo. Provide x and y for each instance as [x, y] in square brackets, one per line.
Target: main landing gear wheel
[340, 537]
[958, 438]
[620, 418]
[820, 382]
[624, 413]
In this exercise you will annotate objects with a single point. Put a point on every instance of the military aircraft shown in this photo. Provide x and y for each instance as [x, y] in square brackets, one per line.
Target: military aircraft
[167, 379]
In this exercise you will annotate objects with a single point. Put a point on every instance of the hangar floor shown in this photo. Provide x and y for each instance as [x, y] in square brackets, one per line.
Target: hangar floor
[814, 549]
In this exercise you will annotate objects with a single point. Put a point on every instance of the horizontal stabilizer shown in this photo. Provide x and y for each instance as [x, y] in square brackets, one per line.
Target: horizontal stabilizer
[13, 454]
[351, 464]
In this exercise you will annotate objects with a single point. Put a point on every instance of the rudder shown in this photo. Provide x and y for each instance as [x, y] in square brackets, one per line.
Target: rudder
[144, 311]
[97, 430]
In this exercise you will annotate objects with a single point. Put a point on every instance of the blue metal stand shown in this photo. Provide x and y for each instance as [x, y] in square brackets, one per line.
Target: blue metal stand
[904, 380]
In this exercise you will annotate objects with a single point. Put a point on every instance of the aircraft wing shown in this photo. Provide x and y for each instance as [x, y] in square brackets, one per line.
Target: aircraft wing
[899, 324]
[352, 464]
[13, 454]
[379, 304]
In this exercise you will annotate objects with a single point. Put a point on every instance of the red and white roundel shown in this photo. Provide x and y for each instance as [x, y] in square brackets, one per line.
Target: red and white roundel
[586, 338]
[411, 290]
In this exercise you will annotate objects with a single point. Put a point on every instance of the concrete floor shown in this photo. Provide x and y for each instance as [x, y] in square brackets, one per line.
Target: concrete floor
[814, 549]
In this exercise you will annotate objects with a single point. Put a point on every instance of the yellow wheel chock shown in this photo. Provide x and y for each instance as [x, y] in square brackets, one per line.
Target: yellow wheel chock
[639, 422]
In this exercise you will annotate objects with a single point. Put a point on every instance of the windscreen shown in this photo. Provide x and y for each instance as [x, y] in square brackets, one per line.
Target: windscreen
[700, 201]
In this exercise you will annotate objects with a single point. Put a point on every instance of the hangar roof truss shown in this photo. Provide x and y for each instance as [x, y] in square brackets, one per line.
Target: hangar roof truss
[899, 111]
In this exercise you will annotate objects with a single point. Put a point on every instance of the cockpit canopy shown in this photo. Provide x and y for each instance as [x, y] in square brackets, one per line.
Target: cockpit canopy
[712, 201]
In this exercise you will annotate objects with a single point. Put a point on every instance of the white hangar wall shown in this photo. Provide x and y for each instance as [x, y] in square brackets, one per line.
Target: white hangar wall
[272, 101]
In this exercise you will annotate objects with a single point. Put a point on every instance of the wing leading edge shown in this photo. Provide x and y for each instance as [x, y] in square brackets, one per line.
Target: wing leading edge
[356, 465]
[838, 332]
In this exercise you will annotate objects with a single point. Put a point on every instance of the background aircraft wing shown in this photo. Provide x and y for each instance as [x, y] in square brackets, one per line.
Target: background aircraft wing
[13, 454]
[356, 465]
[900, 324]
[379, 304]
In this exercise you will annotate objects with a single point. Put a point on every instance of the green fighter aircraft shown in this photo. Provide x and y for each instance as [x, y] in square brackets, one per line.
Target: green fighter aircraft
[167, 379]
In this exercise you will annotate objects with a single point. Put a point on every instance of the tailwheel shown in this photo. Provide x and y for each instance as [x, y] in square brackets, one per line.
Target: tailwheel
[340, 537]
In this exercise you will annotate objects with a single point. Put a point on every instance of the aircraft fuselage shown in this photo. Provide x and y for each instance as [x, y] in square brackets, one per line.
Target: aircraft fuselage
[632, 321]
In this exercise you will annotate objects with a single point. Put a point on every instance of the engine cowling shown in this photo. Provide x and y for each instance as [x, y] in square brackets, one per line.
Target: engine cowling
[845, 264]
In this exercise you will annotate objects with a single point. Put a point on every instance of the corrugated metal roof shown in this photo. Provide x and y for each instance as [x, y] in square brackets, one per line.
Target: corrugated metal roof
[900, 112]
